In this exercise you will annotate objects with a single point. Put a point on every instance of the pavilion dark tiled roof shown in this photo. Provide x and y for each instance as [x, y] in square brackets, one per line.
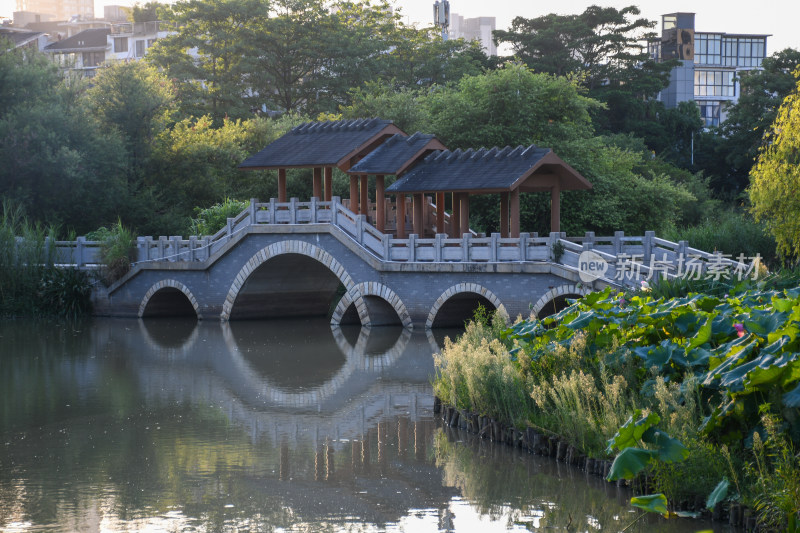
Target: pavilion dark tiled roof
[484, 170]
[319, 143]
[395, 154]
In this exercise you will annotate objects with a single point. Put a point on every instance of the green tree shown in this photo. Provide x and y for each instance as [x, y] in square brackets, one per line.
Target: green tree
[762, 92]
[775, 178]
[134, 99]
[210, 54]
[57, 164]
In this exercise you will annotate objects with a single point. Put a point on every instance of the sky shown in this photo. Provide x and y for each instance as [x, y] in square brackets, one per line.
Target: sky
[776, 17]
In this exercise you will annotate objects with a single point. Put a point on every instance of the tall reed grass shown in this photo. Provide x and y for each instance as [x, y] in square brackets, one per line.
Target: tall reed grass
[30, 283]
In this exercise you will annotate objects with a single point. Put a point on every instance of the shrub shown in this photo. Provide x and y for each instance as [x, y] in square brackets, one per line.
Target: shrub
[118, 250]
[212, 219]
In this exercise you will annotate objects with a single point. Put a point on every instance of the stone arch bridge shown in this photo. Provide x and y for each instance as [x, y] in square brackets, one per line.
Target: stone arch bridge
[318, 258]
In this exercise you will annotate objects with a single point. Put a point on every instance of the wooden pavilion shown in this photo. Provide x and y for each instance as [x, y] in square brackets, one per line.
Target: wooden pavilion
[506, 171]
[423, 165]
[321, 145]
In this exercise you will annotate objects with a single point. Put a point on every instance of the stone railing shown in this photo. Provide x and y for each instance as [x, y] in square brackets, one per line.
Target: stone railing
[646, 256]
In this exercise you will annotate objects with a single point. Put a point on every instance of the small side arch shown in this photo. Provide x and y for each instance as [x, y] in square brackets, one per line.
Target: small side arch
[557, 296]
[289, 247]
[461, 288]
[169, 284]
[364, 291]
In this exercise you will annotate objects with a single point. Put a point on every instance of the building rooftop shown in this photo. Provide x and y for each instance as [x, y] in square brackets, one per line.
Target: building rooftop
[87, 40]
[19, 37]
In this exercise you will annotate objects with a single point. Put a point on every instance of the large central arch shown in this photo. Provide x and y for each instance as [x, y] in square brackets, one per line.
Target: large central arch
[305, 274]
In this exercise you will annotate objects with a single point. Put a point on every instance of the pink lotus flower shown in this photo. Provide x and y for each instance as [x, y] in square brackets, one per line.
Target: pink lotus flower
[739, 329]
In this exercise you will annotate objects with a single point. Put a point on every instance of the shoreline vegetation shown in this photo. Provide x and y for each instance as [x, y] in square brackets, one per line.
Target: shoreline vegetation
[691, 398]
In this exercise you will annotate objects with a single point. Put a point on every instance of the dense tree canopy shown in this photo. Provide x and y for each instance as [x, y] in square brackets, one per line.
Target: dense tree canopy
[775, 178]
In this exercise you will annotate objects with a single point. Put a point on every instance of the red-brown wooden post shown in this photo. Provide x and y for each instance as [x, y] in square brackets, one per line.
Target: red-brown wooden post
[380, 203]
[364, 204]
[464, 218]
[318, 183]
[417, 210]
[354, 193]
[281, 185]
[401, 216]
[455, 218]
[514, 215]
[439, 212]
[328, 184]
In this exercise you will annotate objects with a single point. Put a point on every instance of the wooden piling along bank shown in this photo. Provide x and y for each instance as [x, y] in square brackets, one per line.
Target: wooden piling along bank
[552, 446]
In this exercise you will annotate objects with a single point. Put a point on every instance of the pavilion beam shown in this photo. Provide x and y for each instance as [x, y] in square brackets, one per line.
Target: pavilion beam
[417, 211]
[464, 217]
[401, 216]
[513, 207]
[555, 209]
[317, 183]
[439, 212]
[354, 193]
[328, 184]
[504, 214]
[282, 185]
[380, 203]
[455, 218]
[364, 202]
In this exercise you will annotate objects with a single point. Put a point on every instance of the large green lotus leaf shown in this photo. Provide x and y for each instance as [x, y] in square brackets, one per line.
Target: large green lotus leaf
[669, 449]
[782, 305]
[687, 322]
[790, 331]
[631, 431]
[771, 369]
[630, 462]
[792, 398]
[698, 357]
[662, 354]
[702, 336]
[718, 494]
[738, 352]
[708, 303]
[652, 503]
[764, 322]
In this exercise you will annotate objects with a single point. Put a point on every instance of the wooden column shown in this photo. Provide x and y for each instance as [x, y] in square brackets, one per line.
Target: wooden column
[555, 208]
[364, 203]
[464, 218]
[380, 203]
[455, 218]
[354, 193]
[418, 213]
[328, 184]
[513, 206]
[439, 212]
[281, 184]
[504, 214]
[401, 216]
[317, 183]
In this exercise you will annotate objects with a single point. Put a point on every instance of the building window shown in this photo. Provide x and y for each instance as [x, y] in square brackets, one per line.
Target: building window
[93, 59]
[713, 83]
[751, 51]
[710, 113]
[708, 49]
[120, 44]
[140, 48]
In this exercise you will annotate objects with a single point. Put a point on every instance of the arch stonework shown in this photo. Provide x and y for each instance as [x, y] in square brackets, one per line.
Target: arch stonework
[370, 288]
[172, 284]
[555, 292]
[292, 247]
[459, 288]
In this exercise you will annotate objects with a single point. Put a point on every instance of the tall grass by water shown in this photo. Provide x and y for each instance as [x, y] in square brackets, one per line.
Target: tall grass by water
[721, 374]
[30, 282]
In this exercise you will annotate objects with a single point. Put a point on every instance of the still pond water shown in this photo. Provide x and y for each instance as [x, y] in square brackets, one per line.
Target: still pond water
[171, 425]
